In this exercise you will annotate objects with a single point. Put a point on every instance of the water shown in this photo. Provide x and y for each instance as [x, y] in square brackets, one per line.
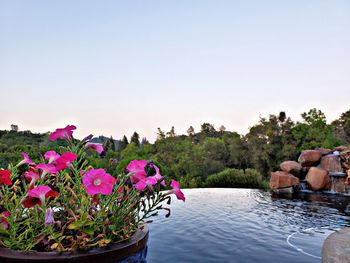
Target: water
[244, 225]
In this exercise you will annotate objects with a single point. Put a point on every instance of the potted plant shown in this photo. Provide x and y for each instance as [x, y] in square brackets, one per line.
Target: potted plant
[62, 209]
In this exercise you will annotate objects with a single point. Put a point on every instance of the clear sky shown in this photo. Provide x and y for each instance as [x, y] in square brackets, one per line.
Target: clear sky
[114, 67]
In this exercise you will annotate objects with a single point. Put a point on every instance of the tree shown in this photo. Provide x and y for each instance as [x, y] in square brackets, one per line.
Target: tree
[144, 141]
[123, 143]
[160, 134]
[314, 131]
[207, 128]
[341, 127]
[171, 133]
[190, 131]
[112, 143]
[222, 128]
[135, 138]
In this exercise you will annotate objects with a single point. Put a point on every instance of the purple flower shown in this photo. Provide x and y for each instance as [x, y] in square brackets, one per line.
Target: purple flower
[49, 217]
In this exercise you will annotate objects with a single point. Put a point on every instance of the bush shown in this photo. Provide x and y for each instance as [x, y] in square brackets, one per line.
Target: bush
[250, 178]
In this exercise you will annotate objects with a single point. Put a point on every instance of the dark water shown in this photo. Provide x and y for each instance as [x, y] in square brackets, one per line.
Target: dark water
[244, 225]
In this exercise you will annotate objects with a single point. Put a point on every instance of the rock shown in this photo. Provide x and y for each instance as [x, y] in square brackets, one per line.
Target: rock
[331, 163]
[291, 167]
[345, 157]
[341, 148]
[281, 179]
[324, 151]
[309, 157]
[336, 247]
[318, 179]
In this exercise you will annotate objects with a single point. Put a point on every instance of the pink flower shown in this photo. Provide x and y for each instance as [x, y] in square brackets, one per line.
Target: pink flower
[63, 134]
[176, 190]
[65, 160]
[51, 156]
[37, 195]
[98, 181]
[136, 169]
[26, 159]
[4, 222]
[158, 176]
[32, 177]
[49, 217]
[47, 168]
[143, 183]
[95, 146]
[5, 177]
[41, 192]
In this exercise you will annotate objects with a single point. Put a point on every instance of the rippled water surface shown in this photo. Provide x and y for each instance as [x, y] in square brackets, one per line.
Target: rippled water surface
[244, 225]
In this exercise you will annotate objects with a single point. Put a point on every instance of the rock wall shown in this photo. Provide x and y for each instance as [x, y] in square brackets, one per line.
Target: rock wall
[317, 170]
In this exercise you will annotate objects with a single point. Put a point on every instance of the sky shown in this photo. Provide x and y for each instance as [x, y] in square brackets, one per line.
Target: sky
[115, 67]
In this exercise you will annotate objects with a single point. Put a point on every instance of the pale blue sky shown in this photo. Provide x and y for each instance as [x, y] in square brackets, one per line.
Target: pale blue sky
[114, 67]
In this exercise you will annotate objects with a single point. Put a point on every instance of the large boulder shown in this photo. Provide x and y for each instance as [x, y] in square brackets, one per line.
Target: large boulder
[309, 157]
[341, 148]
[324, 151]
[331, 163]
[281, 179]
[318, 179]
[291, 167]
[345, 156]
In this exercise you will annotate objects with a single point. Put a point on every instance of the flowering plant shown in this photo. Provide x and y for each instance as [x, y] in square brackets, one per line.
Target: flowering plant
[64, 204]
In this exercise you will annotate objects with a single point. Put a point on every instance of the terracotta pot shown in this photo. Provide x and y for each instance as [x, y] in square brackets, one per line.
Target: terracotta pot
[132, 250]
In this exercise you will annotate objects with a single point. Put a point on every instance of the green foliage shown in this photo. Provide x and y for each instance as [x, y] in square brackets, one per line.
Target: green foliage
[192, 158]
[135, 138]
[250, 178]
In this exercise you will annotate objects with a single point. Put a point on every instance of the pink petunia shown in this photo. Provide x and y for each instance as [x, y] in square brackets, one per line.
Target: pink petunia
[32, 177]
[47, 168]
[26, 159]
[136, 168]
[51, 156]
[62, 133]
[176, 190]
[95, 146]
[40, 192]
[5, 177]
[158, 176]
[65, 160]
[143, 183]
[98, 181]
[38, 195]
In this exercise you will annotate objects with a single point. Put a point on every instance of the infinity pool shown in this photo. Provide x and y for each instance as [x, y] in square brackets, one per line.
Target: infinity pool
[244, 225]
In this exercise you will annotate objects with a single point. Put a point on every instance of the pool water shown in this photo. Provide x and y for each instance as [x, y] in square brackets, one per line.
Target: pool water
[245, 225]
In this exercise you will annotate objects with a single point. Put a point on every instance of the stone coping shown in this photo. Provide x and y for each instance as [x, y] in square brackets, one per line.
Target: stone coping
[336, 247]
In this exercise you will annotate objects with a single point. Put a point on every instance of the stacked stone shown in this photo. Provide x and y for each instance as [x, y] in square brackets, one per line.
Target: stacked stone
[314, 166]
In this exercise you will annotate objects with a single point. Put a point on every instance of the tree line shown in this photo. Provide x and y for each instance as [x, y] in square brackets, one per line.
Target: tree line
[210, 157]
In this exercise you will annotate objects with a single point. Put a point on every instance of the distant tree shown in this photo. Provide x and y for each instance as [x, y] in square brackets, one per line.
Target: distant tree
[222, 128]
[123, 143]
[190, 131]
[144, 141]
[111, 141]
[160, 134]
[314, 131]
[135, 138]
[341, 127]
[171, 133]
[207, 128]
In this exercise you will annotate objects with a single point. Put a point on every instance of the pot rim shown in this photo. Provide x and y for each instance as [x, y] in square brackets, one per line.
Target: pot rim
[117, 251]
